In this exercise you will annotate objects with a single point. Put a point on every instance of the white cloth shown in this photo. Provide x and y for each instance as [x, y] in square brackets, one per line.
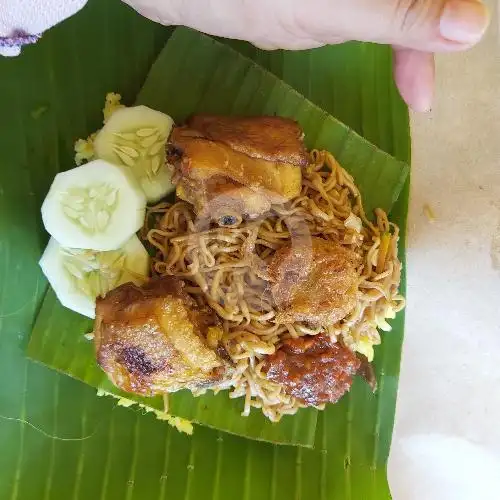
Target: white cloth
[33, 17]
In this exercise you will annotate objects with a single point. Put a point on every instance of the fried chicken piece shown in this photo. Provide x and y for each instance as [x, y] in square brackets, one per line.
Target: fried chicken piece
[313, 369]
[153, 339]
[203, 158]
[314, 281]
[220, 197]
[239, 165]
[271, 138]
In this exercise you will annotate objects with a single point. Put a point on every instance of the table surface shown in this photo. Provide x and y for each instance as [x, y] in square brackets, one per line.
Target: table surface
[447, 437]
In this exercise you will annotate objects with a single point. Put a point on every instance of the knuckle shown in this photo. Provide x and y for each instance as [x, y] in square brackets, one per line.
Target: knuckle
[412, 13]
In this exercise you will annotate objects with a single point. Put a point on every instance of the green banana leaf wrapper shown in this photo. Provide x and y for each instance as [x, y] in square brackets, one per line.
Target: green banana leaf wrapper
[195, 73]
[117, 453]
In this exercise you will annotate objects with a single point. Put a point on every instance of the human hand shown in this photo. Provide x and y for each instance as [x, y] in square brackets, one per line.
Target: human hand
[416, 29]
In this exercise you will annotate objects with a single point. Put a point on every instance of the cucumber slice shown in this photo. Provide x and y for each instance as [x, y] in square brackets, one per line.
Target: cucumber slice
[135, 138]
[79, 276]
[96, 206]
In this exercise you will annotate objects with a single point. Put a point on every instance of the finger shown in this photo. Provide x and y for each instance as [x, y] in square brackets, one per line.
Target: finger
[414, 76]
[426, 25]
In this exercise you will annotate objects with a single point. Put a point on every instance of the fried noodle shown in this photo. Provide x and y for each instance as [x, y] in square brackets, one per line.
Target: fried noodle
[225, 268]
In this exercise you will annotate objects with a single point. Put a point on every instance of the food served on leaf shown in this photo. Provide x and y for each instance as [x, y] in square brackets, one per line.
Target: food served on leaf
[237, 166]
[312, 368]
[155, 339]
[314, 280]
[135, 138]
[79, 276]
[313, 268]
[96, 206]
[267, 278]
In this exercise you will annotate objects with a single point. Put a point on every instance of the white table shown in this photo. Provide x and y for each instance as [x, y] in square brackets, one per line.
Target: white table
[446, 444]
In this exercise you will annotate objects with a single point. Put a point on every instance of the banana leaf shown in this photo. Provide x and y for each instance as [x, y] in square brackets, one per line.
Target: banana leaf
[198, 74]
[58, 439]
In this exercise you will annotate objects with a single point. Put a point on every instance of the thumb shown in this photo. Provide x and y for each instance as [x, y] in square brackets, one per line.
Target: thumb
[430, 26]
[425, 25]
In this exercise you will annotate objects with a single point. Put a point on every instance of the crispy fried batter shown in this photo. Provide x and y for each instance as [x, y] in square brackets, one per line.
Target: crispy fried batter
[203, 159]
[314, 281]
[152, 339]
[312, 369]
[257, 161]
[271, 138]
[220, 196]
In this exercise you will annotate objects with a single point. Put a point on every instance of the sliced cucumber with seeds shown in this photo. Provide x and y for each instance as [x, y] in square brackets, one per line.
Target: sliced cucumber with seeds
[79, 276]
[96, 206]
[135, 138]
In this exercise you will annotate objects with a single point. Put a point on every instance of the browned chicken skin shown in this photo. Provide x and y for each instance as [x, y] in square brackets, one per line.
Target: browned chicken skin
[153, 339]
[238, 165]
[314, 281]
[271, 138]
[312, 369]
[218, 197]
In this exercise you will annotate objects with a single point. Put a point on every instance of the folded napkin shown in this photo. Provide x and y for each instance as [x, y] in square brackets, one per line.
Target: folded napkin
[22, 22]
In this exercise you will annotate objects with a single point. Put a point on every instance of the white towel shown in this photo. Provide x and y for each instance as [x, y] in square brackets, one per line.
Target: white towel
[33, 17]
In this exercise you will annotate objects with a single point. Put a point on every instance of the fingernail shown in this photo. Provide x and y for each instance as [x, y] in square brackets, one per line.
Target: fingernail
[464, 21]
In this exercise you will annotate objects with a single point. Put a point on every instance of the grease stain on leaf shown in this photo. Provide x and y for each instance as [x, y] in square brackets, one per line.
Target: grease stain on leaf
[38, 112]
